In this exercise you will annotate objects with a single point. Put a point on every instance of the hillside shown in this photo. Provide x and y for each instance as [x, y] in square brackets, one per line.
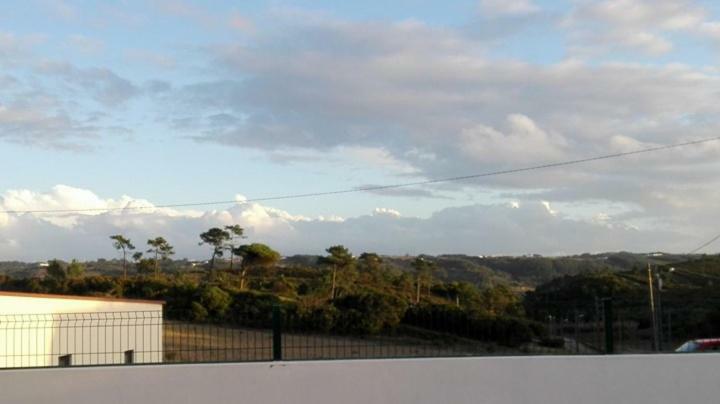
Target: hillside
[520, 272]
[689, 299]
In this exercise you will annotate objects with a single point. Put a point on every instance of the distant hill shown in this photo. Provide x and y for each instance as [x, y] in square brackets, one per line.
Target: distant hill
[521, 272]
[690, 294]
[527, 271]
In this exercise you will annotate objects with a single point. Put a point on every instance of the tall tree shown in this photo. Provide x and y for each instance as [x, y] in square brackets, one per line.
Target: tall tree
[370, 266]
[255, 255]
[370, 262]
[124, 244]
[56, 271]
[216, 238]
[162, 250]
[137, 256]
[235, 232]
[423, 272]
[75, 269]
[339, 258]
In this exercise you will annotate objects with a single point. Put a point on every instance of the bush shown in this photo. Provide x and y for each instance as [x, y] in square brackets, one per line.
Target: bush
[216, 301]
[503, 330]
[198, 312]
[322, 319]
[368, 313]
[252, 309]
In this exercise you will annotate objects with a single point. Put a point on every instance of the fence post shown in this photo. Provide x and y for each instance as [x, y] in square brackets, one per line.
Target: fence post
[609, 337]
[277, 322]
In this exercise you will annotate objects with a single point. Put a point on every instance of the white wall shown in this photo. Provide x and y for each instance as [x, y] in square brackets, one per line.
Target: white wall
[25, 303]
[37, 330]
[651, 379]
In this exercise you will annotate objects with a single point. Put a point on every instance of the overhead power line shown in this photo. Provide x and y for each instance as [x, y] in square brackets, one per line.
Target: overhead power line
[379, 187]
[705, 244]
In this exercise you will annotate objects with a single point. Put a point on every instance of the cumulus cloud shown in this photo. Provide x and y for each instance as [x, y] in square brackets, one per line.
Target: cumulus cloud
[411, 99]
[430, 100]
[35, 125]
[511, 7]
[104, 85]
[524, 142]
[533, 227]
[56, 104]
[644, 25]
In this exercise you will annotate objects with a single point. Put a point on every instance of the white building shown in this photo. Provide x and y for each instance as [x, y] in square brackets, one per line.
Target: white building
[59, 330]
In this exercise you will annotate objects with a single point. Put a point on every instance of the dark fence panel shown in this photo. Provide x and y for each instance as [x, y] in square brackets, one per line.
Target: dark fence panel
[601, 326]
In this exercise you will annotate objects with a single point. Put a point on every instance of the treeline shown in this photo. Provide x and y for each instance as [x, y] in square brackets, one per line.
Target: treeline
[340, 294]
[685, 294]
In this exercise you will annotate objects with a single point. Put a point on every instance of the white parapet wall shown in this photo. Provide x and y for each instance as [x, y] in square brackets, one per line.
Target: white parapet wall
[645, 379]
[43, 330]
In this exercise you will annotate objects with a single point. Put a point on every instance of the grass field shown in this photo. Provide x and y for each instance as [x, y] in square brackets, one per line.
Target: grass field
[187, 342]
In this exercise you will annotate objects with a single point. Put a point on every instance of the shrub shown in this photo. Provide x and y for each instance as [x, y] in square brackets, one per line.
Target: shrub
[216, 301]
[504, 330]
[368, 313]
[252, 309]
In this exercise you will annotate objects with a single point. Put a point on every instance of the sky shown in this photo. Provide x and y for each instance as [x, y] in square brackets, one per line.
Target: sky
[126, 104]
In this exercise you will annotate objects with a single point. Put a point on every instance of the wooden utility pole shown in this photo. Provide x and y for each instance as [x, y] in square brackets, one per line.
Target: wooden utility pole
[334, 279]
[656, 345]
[417, 291]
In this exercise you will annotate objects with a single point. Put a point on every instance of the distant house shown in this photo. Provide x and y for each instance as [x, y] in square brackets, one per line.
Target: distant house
[60, 330]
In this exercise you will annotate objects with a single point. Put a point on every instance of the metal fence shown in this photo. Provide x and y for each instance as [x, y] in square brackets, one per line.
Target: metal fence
[85, 339]
[66, 339]
[610, 326]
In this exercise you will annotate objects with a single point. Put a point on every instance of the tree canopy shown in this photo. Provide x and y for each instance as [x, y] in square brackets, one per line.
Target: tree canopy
[257, 255]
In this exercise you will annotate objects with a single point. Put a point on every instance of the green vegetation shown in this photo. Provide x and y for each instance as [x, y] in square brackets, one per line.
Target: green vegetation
[689, 295]
[499, 300]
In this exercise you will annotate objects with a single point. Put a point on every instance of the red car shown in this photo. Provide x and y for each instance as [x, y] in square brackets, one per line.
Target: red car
[700, 345]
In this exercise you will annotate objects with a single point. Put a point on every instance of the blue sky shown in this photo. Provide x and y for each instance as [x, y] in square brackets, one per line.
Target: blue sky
[167, 101]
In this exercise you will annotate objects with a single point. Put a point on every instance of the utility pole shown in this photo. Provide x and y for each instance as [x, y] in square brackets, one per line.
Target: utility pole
[659, 310]
[334, 279]
[577, 331]
[652, 308]
[417, 291]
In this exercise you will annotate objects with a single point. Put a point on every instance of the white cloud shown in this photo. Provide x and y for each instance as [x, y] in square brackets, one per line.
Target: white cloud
[508, 7]
[104, 85]
[411, 99]
[643, 25]
[428, 102]
[549, 209]
[376, 157]
[36, 124]
[533, 227]
[386, 212]
[524, 142]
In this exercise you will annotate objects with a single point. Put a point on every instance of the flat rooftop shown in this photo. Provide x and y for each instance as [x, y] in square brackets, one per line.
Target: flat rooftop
[74, 297]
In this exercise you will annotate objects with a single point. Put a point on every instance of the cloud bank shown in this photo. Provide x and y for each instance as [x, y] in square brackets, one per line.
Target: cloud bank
[515, 228]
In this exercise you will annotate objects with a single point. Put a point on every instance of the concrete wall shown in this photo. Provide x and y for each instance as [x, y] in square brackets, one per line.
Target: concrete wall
[36, 330]
[651, 379]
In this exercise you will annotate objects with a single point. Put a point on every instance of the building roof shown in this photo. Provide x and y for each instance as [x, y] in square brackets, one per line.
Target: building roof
[73, 297]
